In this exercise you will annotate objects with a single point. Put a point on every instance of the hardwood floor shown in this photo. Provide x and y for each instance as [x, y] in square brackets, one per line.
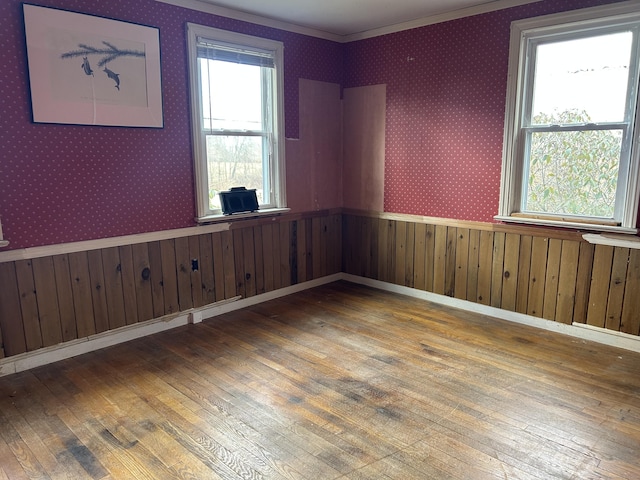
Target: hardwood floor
[341, 381]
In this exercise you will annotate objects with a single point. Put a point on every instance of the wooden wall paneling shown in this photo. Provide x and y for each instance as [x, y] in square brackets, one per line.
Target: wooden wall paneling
[268, 258]
[65, 297]
[128, 273]
[285, 253]
[219, 267]
[373, 248]
[249, 257]
[364, 253]
[409, 260]
[583, 282]
[169, 276]
[450, 262]
[113, 287]
[472, 265]
[616, 288]
[510, 271]
[439, 259]
[309, 245]
[535, 302]
[462, 263]
[326, 253]
[238, 261]
[524, 273]
[337, 222]
[554, 255]
[183, 273]
[400, 253]
[275, 242]
[147, 274]
[13, 340]
[98, 291]
[485, 262]
[28, 304]
[383, 249]
[301, 250]
[259, 259]
[207, 276]
[419, 253]
[46, 294]
[348, 239]
[81, 286]
[630, 320]
[497, 269]
[392, 225]
[567, 281]
[316, 243]
[195, 271]
[2, 355]
[600, 281]
[429, 257]
[228, 255]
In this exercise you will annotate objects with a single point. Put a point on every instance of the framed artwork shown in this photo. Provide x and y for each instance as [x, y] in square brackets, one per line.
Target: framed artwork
[89, 70]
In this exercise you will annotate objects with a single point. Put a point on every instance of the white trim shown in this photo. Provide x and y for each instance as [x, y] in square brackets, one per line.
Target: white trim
[626, 241]
[234, 216]
[44, 356]
[433, 19]
[561, 224]
[206, 7]
[583, 332]
[48, 250]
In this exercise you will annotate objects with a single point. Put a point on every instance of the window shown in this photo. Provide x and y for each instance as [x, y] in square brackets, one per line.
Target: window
[569, 153]
[237, 116]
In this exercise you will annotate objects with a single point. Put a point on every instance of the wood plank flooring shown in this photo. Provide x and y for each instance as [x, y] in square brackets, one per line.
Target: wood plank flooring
[338, 382]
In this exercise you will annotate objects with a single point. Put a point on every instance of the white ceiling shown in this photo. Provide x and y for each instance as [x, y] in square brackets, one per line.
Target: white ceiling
[346, 19]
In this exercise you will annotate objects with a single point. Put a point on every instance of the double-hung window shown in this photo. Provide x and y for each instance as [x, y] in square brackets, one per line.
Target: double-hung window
[570, 146]
[237, 117]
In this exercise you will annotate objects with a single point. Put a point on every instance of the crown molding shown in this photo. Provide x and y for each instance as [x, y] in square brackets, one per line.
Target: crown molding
[207, 7]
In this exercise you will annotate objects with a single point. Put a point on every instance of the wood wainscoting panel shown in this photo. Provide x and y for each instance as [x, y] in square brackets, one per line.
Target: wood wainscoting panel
[49, 300]
[555, 275]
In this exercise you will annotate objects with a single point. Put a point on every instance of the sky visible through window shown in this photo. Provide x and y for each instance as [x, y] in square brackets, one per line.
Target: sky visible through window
[588, 74]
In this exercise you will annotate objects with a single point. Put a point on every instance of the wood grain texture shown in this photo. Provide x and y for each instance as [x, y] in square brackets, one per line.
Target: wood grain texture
[10, 316]
[337, 382]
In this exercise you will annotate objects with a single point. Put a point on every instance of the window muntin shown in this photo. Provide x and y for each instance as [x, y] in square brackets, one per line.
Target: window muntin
[237, 116]
[569, 154]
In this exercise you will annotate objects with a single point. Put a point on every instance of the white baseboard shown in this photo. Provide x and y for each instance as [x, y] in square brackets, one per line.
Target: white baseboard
[578, 330]
[44, 356]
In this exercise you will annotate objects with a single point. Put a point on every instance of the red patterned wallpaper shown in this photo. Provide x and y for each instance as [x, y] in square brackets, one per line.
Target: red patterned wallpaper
[446, 89]
[61, 183]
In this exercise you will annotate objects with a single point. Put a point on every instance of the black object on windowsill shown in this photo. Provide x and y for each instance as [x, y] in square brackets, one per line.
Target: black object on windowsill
[238, 199]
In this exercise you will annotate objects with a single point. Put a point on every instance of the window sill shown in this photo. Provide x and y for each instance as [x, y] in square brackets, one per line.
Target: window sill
[613, 240]
[4, 243]
[242, 216]
[572, 225]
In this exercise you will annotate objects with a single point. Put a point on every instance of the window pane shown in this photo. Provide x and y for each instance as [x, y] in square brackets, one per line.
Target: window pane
[573, 173]
[234, 161]
[231, 96]
[589, 75]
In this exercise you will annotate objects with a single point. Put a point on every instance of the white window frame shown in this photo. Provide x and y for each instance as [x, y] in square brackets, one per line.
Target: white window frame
[519, 81]
[276, 173]
[3, 242]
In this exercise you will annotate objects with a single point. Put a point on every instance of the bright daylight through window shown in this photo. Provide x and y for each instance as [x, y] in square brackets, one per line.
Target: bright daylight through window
[569, 155]
[236, 83]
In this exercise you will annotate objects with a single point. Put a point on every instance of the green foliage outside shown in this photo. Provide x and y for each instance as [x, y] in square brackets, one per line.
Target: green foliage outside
[573, 173]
